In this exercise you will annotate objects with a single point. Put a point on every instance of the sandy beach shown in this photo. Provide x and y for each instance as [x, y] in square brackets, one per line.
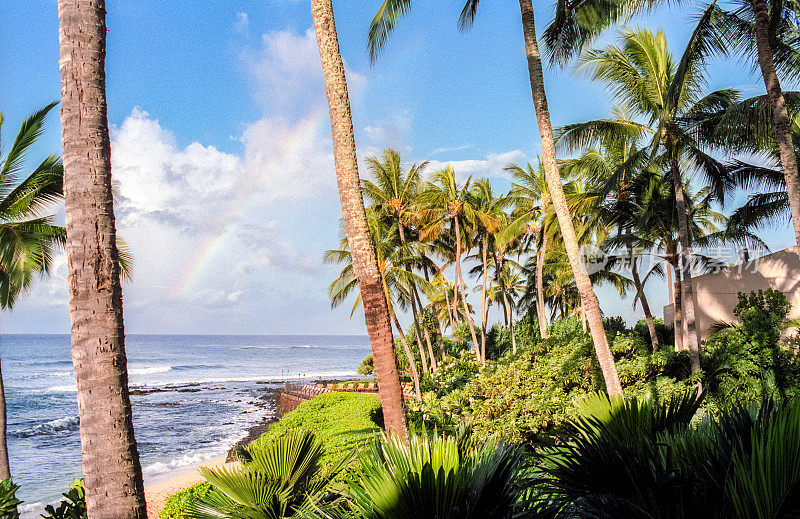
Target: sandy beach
[158, 493]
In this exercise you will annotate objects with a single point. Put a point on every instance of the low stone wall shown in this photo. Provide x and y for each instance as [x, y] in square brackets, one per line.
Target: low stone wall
[293, 394]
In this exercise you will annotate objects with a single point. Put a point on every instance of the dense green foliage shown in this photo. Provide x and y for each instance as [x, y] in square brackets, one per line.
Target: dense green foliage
[644, 459]
[177, 504]
[748, 362]
[8, 499]
[342, 422]
[282, 477]
[526, 397]
[445, 478]
[73, 506]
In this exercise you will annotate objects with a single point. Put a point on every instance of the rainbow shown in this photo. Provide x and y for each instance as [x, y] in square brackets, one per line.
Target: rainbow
[292, 146]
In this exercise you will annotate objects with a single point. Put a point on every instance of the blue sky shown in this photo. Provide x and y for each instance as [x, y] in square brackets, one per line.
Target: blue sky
[221, 148]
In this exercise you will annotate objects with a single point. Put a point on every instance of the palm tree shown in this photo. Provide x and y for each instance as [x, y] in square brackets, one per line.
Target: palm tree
[365, 265]
[27, 238]
[394, 195]
[445, 201]
[532, 215]
[643, 75]
[282, 478]
[614, 176]
[442, 477]
[765, 33]
[380, 28]
[489, 217]
[396, 278]
[111, 468]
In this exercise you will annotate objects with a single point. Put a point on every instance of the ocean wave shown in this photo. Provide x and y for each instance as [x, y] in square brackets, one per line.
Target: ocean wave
[186, 461]
[221, 380]
[67, 423]
[145, 370]
[71, 388]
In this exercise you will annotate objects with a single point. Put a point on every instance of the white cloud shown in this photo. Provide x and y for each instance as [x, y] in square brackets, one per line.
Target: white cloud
[490, 166]
[287, 73]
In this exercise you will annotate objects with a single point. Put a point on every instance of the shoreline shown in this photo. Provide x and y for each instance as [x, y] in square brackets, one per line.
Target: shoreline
[156, 493]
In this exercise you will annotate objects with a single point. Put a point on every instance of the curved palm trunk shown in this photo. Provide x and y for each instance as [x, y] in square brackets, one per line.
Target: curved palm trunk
[648, 316]
[484, 310]
[111, 468]
[780, 115]
[5, 468]
[460, 285]
[687, 298]
[365, 265]
[412, 364]
[559, 201]
[540, 310]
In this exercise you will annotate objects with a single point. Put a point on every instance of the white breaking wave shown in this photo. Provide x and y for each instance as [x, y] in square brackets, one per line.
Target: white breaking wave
[146, 370]
[67, 423]
[72, 388]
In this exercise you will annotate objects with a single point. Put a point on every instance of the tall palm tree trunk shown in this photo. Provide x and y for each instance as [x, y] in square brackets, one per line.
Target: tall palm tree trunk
[780, 115]
[111, 468]
[5, 468]
[413, 291]
[424, 324]
[365, 265]
[648, 316]
[687, 299]
[507, 312]
[678, 309]
[484, 310]
[418, 334]
[511, 325]
[412, 364]
[540, 309]
[460, 285]
[559, 201]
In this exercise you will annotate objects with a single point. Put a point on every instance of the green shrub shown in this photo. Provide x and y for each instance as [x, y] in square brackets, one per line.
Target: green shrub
[747, 362]
[176, 506]
[73, 506]
[282, 478]
[526, 398]
[8, 499]
[443, 478]
[367, 366]
[665, 334]
[343, 422]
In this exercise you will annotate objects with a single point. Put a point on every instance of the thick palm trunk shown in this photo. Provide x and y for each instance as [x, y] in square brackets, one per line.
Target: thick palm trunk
[484, 310]
[365, 265]
[412, 364]
[559, 201]
[780, 115]
[540, 310]
[687, 298]
[678, 309]
[648, 316]
[5, 468]
[460, 285]
[111, 468]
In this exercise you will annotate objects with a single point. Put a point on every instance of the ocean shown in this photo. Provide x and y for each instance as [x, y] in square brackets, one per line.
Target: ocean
[193, 397]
